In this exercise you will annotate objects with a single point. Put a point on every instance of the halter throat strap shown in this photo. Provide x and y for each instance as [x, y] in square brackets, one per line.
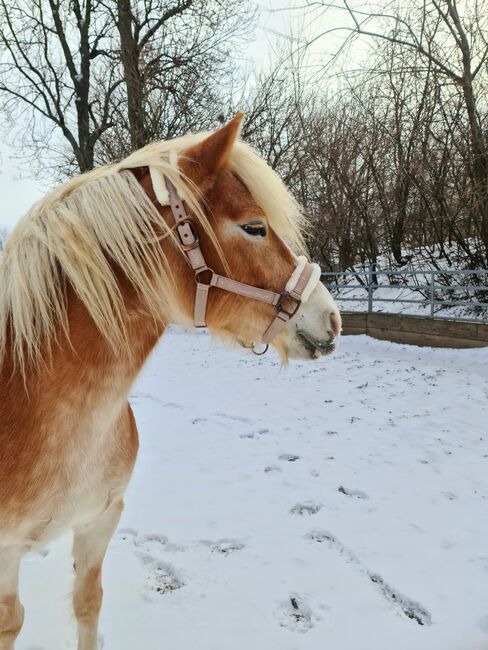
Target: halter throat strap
[286, 303]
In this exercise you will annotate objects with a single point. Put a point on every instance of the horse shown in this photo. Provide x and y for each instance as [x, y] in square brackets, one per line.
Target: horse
[198, 230]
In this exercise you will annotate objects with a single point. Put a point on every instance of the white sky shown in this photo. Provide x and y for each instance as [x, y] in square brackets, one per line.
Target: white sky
[18, 191]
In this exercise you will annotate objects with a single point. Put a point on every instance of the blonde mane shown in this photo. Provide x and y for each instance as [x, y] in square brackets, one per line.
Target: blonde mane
[77, 232]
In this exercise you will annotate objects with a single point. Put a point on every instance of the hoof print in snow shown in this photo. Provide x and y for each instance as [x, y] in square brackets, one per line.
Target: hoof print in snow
[295, 615]
[410, 608]
[272, 468]
[355, 494]
[449, 495]
[253, 434]
[126, 533]
[321, 537]
[151, 538]
[225, 546]
[155, 542]
[290, 458]
[163, 578]
[305, 509]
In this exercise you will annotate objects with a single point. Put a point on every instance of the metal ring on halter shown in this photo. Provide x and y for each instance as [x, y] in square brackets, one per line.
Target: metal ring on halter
[253, 346]
[259, 354]
[199, 273]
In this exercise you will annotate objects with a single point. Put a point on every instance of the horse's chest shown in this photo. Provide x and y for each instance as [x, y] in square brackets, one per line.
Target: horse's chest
[95, 469]
[84, 474]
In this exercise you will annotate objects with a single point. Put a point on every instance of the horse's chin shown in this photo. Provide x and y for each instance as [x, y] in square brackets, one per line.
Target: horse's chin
[303, 346]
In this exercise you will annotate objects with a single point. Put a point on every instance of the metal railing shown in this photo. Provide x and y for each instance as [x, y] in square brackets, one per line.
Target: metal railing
[434, 292]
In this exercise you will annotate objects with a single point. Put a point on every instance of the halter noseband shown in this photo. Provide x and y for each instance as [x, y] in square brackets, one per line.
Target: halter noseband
[300, 285]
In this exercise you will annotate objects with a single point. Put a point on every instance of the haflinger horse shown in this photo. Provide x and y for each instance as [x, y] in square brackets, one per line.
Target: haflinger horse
[196, 230]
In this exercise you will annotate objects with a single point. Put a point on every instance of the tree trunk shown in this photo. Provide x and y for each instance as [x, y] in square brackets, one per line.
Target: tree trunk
[130, 58]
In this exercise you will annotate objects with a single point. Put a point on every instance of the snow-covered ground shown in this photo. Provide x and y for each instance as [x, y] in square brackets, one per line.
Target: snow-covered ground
[339, 504]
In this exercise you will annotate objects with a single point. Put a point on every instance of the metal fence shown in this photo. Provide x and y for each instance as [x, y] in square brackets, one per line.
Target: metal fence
[440, 294]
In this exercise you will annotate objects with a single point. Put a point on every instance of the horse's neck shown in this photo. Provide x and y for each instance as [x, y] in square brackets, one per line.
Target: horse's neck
[83, 374]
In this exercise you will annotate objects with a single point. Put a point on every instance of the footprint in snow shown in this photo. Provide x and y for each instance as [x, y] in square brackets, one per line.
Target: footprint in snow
[126, 533]
[412, 609]
[224, 546]
[355, 494]
[161, 577]
[290, 458]
[234, 418]
[295, 614]
[150, 542]
[449, 495]
[305, 509]
[254, 434]
[154, 542]
[272, 468]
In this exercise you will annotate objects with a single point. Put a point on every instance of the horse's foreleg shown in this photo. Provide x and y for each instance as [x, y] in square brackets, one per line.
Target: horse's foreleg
[90, 545]
[11, 611]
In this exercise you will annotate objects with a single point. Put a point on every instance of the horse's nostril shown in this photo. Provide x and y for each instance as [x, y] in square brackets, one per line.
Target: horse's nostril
[335, 323]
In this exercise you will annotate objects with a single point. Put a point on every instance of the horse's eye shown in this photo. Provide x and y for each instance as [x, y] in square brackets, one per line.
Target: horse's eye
[256, 229]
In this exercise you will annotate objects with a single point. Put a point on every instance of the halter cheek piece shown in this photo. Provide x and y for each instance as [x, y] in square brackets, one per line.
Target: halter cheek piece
[298, 288]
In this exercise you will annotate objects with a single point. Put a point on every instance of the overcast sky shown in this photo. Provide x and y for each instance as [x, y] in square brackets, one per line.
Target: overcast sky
[277, 17]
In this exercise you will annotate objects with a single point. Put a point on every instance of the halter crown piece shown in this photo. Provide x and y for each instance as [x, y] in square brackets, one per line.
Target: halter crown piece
[297, 290]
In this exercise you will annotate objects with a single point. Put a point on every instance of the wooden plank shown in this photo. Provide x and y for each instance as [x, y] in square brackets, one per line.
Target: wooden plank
[421, 339]
[354, 320]
[455, 329]
[417, 330]
[482, 332]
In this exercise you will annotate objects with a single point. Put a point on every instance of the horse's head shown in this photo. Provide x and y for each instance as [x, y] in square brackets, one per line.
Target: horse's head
[253, 252]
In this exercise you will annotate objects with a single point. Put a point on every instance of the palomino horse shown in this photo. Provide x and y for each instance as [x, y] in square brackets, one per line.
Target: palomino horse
[90, 279]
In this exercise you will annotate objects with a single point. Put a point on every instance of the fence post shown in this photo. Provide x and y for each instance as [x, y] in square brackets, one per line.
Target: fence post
[370, 288]
[432, 294]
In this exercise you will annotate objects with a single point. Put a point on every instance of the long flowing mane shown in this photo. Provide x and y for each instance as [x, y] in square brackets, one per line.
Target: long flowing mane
[81, 230]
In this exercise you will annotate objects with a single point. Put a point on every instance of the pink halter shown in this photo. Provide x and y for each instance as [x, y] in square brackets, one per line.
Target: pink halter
[286, 303]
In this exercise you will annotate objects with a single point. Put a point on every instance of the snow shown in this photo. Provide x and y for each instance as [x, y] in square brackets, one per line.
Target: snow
[334, 504]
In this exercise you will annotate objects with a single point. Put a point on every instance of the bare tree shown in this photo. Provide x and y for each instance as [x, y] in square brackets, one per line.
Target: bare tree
[447, 39]
[46, 67]
[177, 63]
[90, 80]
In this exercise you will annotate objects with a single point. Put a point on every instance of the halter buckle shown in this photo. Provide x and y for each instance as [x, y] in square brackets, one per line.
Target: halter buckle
[288, 304]
[195, 243]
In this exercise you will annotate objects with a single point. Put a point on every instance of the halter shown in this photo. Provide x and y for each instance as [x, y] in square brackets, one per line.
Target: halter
[298, 288]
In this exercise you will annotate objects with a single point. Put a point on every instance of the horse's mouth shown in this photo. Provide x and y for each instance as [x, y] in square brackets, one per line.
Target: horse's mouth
[317, 348]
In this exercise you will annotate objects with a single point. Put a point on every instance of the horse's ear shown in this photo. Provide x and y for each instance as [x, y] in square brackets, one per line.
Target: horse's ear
[203, 161]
